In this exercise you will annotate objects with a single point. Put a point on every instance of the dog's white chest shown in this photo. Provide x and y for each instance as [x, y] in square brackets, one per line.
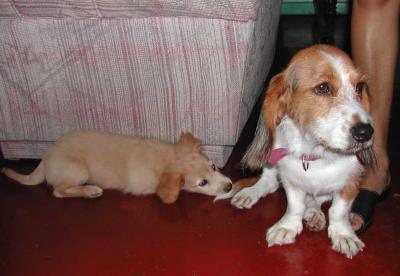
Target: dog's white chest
[321, 177]
[328, 173]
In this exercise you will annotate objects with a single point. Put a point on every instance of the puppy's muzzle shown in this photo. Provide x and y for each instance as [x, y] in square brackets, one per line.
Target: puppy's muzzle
[228, 187]
[362, 132]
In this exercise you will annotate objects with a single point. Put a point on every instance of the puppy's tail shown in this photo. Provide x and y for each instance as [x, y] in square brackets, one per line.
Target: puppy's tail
[35, 178]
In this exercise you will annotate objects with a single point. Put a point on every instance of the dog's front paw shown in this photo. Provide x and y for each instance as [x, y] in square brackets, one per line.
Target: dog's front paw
[346, 243]
[280, 235]
[314, 219]
[92, 191]
[246, 198]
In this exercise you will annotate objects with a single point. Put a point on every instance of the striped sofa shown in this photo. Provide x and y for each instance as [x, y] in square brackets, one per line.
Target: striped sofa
[151, 68]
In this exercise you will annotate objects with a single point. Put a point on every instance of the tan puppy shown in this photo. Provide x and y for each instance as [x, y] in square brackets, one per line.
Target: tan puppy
[133, 165]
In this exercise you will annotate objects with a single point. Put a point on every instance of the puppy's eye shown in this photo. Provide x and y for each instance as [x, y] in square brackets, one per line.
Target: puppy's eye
[213, 167]
[203, 183]
[360, 87]
[323, 89]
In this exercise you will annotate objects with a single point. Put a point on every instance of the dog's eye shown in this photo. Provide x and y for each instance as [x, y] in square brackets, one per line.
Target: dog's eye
[360, 87]
[204, 182]
[324, 89]
[213, 167]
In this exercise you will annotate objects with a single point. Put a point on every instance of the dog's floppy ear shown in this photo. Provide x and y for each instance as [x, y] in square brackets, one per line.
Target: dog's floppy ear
[189, 141]
[273, 110]
[365, 96]
[276, 100]
[170, 184]
[367, 158]
[256, 155]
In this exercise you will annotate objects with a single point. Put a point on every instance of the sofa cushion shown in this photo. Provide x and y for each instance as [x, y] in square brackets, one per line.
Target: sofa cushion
[152, 77]
[148, 76]
[241, 10]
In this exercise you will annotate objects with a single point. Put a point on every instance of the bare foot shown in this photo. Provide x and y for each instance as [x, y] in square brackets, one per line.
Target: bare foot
[356, 221]
[375, 180]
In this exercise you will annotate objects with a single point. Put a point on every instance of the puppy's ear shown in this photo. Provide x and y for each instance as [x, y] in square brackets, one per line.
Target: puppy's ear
[189, 141]
[169, 187]
[273, 110]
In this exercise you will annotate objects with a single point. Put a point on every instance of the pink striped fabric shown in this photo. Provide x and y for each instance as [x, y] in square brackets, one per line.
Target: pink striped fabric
[242, 10]
[36, 149]
[149, 77]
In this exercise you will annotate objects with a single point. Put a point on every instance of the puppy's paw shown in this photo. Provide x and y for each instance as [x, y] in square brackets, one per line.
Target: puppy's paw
[246, 198]
[314, 219]
[345, 242]
[278, 235]
[92, 191]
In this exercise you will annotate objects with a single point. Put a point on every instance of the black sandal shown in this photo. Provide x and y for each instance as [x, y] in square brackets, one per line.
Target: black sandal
[364, 206]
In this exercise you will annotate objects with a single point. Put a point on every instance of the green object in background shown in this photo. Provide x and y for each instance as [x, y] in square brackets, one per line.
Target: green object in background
[303, 7]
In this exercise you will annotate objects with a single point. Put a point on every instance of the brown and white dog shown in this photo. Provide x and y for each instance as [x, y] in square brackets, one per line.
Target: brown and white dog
[316, 136]
[133, 165]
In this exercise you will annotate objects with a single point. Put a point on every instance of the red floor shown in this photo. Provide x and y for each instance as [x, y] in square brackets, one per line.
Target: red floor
[120, 234]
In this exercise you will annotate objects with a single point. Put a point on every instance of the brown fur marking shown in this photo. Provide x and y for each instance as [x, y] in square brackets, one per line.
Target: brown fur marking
[170, 185]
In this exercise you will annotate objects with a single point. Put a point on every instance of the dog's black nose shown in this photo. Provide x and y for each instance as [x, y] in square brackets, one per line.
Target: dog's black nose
[228, 188]
[362, 132]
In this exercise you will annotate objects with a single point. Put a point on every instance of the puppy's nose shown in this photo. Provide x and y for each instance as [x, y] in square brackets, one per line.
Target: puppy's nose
[362, 132]
[228, 188]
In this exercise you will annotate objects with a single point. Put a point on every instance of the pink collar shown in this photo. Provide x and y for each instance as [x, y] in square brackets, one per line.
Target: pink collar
[277, 154]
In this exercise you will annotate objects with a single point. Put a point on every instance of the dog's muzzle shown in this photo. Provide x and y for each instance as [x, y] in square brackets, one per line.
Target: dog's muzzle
[362, 132]
[228, 188]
